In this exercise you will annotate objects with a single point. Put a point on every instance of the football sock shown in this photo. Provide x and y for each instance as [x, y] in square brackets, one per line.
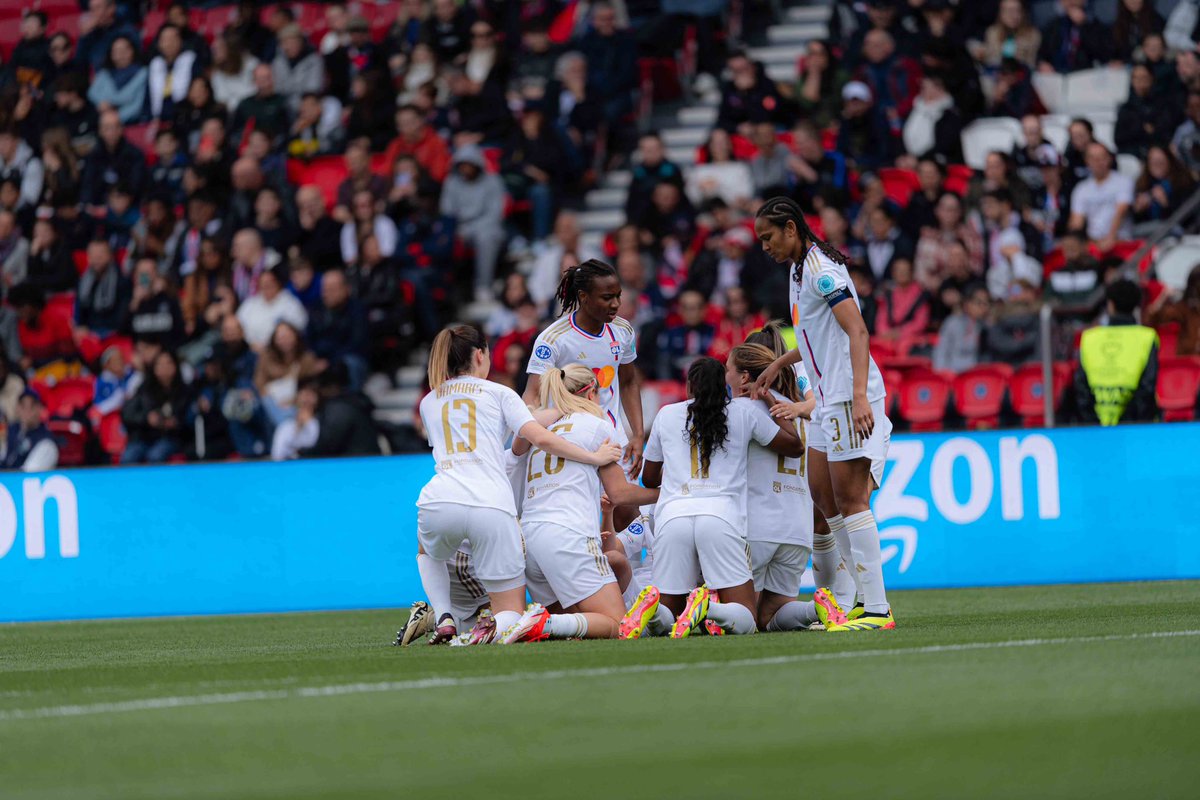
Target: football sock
[567, 626]
[825, 559]
[841, 586]
[868, 563]
[660, 624]
[435, 580]
[505, 620]
[733, 618]
[794, 616]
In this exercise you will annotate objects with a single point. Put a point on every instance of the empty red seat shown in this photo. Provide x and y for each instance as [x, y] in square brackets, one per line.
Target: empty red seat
[922, 400]
[324, 172]
[10, 35]
[1027, 392]
[142, 137]
[958, 177]
[65, 23]
[893, 382]
[72, 438]
[112, 435]
[1178, 385]
[1168, 339]
[979, 394]
[903, 363]
[899, 184]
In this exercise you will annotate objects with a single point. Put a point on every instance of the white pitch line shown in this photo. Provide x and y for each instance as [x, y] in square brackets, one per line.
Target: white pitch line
[334, 690]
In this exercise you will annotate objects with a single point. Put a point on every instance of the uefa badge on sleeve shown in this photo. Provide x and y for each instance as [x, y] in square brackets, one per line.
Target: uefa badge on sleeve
[826, 285]
[543, 352]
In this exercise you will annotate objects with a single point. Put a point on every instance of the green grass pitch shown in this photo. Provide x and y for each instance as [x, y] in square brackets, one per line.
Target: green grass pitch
[1057, 692]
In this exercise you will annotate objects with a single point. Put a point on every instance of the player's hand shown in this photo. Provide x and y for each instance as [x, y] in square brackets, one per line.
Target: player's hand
[633, 454]
[788, 411]
[864, 419]
[606, 505]
[606, 453]
[762, 386]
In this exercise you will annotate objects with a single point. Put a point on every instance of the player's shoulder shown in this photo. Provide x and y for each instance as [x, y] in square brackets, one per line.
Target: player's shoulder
[554, 331]
[623, 330]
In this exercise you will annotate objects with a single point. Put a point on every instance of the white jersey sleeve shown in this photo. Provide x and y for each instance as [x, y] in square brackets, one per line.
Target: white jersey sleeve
[544, 355]
[763, 429]
[803, 383]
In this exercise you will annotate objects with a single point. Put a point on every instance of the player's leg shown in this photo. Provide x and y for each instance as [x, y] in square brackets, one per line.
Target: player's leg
[844, 583]
[498, 557]
[676, 571]
[620, 567]
[725, 561]
[780, 580]
[441, 529]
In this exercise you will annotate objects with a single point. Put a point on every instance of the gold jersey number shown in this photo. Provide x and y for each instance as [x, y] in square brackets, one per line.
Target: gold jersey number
[468, 426]
[783, 468]
[552, 465]
[698, 470]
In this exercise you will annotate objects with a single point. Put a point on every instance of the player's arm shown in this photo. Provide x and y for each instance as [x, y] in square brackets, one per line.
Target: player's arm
[786, 441]
[555, 445]
[533, 390]
[799, 410]
[623, 493]
[652, 473]
[762, 386]
[631, 404]
[850, 318]
[544, 417]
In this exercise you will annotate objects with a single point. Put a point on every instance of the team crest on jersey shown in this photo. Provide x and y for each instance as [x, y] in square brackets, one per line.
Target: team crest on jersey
[543, 352]
[531, 493]
[777, 487]
[684, 489]
[615, 350]
[636, 528]
[825, 284]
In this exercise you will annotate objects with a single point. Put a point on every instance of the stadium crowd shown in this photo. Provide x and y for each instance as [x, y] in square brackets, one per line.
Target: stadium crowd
[211, 235]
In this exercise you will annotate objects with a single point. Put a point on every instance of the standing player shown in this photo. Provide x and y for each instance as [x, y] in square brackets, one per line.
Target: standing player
[468, 419]
[589, 332]
[849, 438]
[564, 562]
[697, 452]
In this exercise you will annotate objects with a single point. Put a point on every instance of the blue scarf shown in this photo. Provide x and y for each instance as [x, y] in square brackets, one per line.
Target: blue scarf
[124, 75]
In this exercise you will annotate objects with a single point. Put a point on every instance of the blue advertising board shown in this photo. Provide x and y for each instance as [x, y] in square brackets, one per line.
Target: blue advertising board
[979, 509]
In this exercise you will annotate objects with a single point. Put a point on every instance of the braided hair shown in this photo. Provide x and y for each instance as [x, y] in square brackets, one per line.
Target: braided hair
[580, 279]
[707, 424]
[779, 211]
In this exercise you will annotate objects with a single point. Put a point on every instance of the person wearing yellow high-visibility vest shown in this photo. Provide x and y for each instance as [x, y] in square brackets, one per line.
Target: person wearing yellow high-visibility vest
[1118, 364]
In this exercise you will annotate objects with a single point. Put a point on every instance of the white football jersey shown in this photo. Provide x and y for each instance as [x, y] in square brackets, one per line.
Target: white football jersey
[515, 465]
[468, 421]
[821, 341]
[803, 382]
[565, 343]
[565, 492]
[638, 540]
[688, 488]
[779, 506]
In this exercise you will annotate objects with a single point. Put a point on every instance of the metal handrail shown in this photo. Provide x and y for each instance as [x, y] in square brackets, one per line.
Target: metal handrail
[1160, 233]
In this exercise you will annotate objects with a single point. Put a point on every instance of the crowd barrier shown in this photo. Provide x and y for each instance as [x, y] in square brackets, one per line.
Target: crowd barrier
[979, 509]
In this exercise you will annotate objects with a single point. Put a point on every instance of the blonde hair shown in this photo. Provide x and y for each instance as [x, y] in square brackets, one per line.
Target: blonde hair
[452, 351]
[565, 388]
[755, 358]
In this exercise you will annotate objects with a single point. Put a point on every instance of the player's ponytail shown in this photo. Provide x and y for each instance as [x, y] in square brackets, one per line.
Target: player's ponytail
[770, 336]
[779, 211]
[452, 352]
[755, 358]
[565, 388]
[707, 423]
[580, 279]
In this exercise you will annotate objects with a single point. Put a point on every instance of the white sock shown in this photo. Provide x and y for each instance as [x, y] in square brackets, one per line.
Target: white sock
[825, 559]
[435, 579]
[631, 592]
[795, 616]
[505, 620]
[660, 624]
[841, 587]
[733, 618]
[868, 563]
[567, 626]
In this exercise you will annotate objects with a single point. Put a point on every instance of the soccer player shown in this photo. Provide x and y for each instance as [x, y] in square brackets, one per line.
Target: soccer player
[563, 557]
[589, 332]
[849, 437]
[468, 419]
[697, 453]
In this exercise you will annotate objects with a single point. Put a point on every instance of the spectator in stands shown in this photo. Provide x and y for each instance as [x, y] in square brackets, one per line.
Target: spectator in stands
[416, 138]
[474, 198]
[721, 174]
[50, 267]
[1027, 154]
[611, 62]
[204, 287]
[1006, 246]
[1100, 205]
[41, 338]
[769, 167]
[920, 213]
[102, 299]
[250, 261]
[1014, 334]
[1051, 206]
[356, 57]
[154, 311]
[670, 221]
[448, 29]
[12, 386]
[265, 110]
[275, 231]
[18, 162]
[956, 278]
[193, 108]
[318, 235]
[868, 302]
[885, 242]
[98, 28]
[115, 382]
[338, 330]
[934, 126]
[652, 168]
[359, 177]
[748, 96]
[366, 220]
[1118, 364]
[836, 230]
[1144, 119]
[1012, 93]
[534, 166]
[1162, 187]
[1076, 288]
[904, 305]
[884, 16]
[113, 160]
[524, 332]
[738, 322]
[28, 443]
[154, 416]
[298, 69]
[961, 337]
[31, 64]
[283, 365]
[478, 113]
[893, 80]
[121, 83]
[1136, 19]
[301, 431]
[272, 304]
[1011, 36]
[1183, 309]
[73, 112]
[682, 343]
[1186, 139]
[170, 73]
[193, 41]
[1074, 41]
[314, 132]
[14, 250]
[61, 169]
[1180, 32]
[860, 138]
[344, 419]
[818, 89]
[1080, 136]
[998, 174]
[232, 70]
[820, 175]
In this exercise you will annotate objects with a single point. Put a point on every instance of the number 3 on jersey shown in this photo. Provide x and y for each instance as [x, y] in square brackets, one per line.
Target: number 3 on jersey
[468, 426]
[553, 464]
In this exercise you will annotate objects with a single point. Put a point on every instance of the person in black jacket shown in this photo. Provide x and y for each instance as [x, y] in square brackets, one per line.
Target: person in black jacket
[154, 312]
[346, 425]
[611, 61]
[1074, 41]
[51, 267]
[113, 160]
[154, 416]
[534, 168]
[1144, 119]
[31, 63]
[654, 168]
[102, 300]
[337, 331]
[749, 96]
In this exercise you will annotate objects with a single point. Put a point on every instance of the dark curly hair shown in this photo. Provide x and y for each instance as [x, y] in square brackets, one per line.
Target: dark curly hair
[580, 279]
[779, 211]
[707, 421]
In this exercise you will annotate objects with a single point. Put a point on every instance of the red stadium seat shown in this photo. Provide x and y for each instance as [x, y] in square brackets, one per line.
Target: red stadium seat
[1178, 385]
[324, 172]
[55, 7]
[904, 363]
[142, 137]
[563, 26]
[112, 435]
[151, 22]
[979, 394]
[922, 400]
[1168, 339]
[899, 184]
[493, 155]
[71, 437]
[10, 35]
[958, 177]
[61, 305]
[71, 395]
[1027, 392]
[65, 23]
[893, 382]
[1053, 262]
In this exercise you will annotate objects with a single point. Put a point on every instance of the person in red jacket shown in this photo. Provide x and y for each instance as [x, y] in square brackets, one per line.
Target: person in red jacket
[45, 335]
[421, 142]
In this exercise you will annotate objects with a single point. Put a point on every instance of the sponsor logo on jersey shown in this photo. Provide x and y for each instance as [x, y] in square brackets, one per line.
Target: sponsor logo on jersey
[776, 487]
[543, 352]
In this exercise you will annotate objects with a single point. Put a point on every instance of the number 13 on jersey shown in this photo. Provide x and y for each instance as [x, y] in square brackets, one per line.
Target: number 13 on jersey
[467, 426]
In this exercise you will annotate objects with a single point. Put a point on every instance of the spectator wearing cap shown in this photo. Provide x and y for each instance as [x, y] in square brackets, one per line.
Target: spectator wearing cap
[250, 260]
[1074, 41]
[1144, 119]
[962, 336]
[748, 96]
[114, 160]
[417, 139]
[30, 63]
[1012, 35]
[28, 444]
[99, 27]
[1118, 364]
[1100, 205]
[860, 137]
[474, 198]
[271, 305]
[170, 73]
[102, 299]
[611, 55]
[298, 68]
[266, 110]
[357, 56]
[155, 415]
[1050, 208]
[934, 127]
[121, 83]
[338, 329]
